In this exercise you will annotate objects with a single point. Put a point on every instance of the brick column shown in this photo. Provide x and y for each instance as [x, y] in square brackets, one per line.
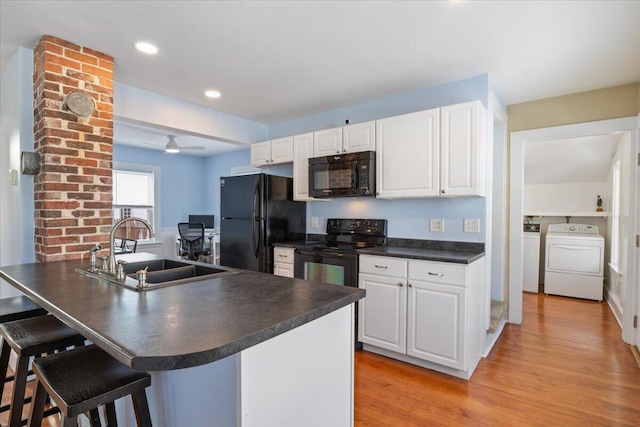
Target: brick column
[73, 191]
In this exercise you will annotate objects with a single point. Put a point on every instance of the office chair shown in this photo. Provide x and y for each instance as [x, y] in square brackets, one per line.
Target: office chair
[128, 246]
[192, 240]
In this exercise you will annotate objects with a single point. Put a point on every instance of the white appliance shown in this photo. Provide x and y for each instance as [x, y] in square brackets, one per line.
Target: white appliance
[574, 262]
[531, 261]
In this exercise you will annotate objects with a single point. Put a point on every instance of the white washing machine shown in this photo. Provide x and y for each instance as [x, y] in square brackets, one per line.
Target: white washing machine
[574, 262]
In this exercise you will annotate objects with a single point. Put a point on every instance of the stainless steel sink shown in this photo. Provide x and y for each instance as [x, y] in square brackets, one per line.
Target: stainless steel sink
[161, 273]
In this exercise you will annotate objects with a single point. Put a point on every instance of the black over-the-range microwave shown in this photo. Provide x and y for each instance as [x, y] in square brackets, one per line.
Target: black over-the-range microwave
[343, 175]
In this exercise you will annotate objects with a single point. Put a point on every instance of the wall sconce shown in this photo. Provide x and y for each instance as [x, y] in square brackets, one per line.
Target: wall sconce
[30, 163]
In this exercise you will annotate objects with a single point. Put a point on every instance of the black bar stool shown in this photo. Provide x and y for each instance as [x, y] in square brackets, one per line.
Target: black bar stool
[18, 308]
[31, 337]
[81, 380]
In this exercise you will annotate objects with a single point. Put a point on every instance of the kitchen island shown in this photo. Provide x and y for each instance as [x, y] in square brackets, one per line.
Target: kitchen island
[242, 349]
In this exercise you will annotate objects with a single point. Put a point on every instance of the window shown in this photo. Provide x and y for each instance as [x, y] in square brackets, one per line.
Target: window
[615, 215]
[136, 194]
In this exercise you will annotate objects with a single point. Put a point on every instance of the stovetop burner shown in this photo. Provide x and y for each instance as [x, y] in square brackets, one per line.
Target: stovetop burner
[348, 235]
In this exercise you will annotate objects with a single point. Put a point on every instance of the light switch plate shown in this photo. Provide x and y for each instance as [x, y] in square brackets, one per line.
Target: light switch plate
[471, 225]
[314, 221]
[436, 225]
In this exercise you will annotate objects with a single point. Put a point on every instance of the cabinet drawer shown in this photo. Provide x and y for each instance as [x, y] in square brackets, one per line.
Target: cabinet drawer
[438, 272]
[284, 255]
[383, 266]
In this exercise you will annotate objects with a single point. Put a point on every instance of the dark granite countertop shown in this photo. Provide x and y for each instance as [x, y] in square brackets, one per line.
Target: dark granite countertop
[427, 250]
[177, 326]
[455, 256]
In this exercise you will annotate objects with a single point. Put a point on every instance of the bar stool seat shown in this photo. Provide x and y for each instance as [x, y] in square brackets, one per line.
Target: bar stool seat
[82, 379]
[18, 308]
[31, 337]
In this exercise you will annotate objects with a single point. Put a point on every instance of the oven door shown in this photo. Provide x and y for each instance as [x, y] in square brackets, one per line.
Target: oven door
[327, 267]
[333, 178]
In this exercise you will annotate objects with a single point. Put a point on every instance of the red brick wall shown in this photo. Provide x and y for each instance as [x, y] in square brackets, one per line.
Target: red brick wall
[73, 191]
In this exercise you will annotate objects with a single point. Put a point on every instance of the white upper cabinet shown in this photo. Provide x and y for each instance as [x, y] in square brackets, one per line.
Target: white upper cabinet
[347, 139]
[462, 146]
[327, 142]
[260, 153]
[302, 150]
[359, 137]
[438, 152]
[271, 153]
[407, 155]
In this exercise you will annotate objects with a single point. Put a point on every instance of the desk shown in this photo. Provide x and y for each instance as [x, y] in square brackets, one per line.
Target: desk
[214, 244]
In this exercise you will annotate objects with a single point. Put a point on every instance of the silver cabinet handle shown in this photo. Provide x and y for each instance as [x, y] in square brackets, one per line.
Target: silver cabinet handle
[409, 285]
[400, 284]
[436, 274]
[384, 267]
[283, 256]
[344, 150]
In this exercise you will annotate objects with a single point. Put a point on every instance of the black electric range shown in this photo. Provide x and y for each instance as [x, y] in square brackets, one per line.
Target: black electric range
[335, 259]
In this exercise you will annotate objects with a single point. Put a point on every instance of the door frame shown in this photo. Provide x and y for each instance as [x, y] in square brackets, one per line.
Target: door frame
[516, 207]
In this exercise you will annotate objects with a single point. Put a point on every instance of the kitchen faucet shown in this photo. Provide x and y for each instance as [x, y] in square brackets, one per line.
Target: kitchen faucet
[112, 257]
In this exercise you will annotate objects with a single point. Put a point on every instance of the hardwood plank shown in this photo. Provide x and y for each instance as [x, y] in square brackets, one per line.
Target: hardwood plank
[566, 365]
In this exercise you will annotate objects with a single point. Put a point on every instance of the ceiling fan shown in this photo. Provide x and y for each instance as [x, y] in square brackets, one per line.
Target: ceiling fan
[173, 147]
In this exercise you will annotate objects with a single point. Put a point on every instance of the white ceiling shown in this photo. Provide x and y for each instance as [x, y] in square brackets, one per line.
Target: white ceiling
[570, 161]
[156, 138]
[279, 60]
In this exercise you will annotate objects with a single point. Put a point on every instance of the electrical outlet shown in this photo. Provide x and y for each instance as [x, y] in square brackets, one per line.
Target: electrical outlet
[471, 225]
[436, 225]
[314, 221]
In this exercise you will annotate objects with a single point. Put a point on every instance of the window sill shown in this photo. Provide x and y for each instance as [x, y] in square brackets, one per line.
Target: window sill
[149, 242]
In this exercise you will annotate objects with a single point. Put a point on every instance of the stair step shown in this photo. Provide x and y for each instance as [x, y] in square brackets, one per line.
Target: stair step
[498, 312]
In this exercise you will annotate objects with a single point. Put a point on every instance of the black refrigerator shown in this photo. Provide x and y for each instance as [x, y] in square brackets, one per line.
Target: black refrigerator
[257, 211]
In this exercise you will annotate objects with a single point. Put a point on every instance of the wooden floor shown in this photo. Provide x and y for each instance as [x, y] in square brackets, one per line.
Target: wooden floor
[565, 365]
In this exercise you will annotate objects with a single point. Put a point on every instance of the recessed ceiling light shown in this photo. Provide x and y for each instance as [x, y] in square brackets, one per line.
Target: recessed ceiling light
[212, 94]
[146, 48]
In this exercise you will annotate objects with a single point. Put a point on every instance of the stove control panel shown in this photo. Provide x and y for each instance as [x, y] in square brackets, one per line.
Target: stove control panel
[573, 228]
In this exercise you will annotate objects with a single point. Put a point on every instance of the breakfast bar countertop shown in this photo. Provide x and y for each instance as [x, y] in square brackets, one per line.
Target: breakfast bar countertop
[177, 326]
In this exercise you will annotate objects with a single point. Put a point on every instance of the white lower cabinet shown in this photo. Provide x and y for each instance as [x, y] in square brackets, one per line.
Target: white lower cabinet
[423, 312]
[283, 261]
[383, 312]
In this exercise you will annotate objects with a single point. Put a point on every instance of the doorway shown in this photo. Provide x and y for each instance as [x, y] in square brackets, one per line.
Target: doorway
[516, 206]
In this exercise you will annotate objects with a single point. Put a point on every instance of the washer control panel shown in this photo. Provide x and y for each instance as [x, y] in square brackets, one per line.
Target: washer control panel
[573, 228]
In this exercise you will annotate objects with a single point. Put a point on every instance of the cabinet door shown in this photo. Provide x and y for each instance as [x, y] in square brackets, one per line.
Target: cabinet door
[436, 322]
[407, 155]
[302, 150]
[260, 153]
[462, 150]
[359, 137]
[281, 269]
[282, 150]
[382, 319]
[327, 142]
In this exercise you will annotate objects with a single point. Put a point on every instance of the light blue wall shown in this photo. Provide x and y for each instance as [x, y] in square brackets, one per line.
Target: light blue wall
[431, 97]
[183, 181]
[407, 218]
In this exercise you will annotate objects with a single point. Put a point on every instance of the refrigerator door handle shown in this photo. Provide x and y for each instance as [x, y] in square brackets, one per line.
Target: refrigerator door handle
[256, 235]
[255, 238]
